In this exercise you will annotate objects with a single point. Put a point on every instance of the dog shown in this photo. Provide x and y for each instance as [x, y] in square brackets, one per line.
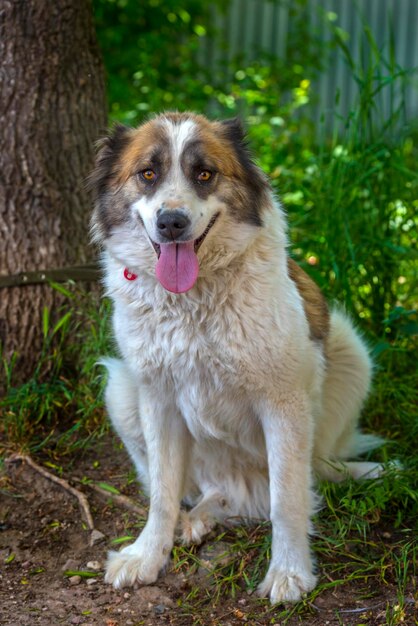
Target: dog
[236, 385]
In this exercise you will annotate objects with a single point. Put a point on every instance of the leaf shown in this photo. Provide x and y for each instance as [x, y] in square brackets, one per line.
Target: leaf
[45, 321]
[409, 329]
[81, 573]
[109, 488]
[380, 347]
[122, 539]
[64, 319]
[61, 289]
[53, 466]
[10, 558]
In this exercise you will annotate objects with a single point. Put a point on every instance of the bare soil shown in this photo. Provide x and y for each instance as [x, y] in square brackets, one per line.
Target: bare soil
[43, 537]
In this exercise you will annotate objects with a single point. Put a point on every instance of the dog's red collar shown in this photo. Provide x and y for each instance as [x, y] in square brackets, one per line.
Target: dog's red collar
[129, 275]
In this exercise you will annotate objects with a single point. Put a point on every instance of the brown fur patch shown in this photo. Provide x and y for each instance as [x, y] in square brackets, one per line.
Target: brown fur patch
[143, 142]
[220, 150]
[314, 303]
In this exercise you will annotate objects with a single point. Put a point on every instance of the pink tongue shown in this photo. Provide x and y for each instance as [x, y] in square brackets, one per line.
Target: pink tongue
[178, 266]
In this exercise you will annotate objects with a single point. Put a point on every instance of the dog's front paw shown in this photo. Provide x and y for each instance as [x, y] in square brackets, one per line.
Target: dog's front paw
[286, 586]
[135, 563]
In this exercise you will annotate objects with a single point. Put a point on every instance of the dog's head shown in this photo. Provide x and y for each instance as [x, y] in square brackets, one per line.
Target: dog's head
[175, 193]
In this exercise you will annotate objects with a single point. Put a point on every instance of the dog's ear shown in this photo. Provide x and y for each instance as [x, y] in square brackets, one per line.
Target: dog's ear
[234, 130]
[109, 153]
[109, 150]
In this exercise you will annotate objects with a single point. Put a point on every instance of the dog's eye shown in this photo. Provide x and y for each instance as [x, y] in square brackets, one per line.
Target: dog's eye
[148, 175]
[204, 176]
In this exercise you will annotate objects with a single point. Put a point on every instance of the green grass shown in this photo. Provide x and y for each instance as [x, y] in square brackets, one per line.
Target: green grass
[59, 408]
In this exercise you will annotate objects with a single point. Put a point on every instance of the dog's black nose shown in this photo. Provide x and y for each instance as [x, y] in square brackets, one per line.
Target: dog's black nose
[172, 224]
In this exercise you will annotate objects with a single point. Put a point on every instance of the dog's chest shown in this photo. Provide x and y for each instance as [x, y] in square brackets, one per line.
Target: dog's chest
[199, 359]
[213, 403]
[177, 341]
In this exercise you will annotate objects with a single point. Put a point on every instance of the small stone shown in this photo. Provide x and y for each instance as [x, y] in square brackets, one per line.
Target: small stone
[126, 595]
[159, 609]
[94, 565]
[242, 601]
[70, 564]
[91, 581]
[74, 580]
[96, 537]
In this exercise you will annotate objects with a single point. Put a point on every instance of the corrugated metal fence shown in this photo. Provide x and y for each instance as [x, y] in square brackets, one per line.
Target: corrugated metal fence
[253, 25]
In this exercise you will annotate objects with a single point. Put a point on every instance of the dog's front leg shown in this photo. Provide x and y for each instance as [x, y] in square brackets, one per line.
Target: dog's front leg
[287, 426]
[167, 443]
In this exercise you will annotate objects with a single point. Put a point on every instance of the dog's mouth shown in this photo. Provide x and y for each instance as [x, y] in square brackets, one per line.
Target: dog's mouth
[177, 263]
[196, 243]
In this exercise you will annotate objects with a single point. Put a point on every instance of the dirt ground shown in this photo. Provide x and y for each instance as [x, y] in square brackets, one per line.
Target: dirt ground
[43, 538]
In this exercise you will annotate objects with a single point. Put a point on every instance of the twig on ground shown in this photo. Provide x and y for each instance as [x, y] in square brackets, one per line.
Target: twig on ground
[118, 498]
[328, 577]
[81, 497]
[362, 609]
[376, 606]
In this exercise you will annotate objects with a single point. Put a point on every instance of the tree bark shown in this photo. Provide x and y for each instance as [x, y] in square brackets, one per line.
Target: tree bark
[52, 110]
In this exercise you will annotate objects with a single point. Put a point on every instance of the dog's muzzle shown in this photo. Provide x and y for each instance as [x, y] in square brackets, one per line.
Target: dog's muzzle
[173, 226]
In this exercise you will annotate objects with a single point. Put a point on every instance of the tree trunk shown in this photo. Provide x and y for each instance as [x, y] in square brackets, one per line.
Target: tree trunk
[52, 110]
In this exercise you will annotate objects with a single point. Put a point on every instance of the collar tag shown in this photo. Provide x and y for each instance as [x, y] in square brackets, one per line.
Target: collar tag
[129, 275]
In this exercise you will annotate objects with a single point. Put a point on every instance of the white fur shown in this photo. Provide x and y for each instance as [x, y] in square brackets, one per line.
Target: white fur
[222, 398]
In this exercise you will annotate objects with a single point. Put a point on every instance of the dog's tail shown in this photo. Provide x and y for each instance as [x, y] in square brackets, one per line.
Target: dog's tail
[346, 385]
[360, 443]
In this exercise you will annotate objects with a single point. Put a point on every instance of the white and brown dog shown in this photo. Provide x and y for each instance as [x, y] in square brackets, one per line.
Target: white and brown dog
[235, 384]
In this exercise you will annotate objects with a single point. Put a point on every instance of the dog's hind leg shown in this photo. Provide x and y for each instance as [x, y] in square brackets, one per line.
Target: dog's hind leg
[195, 524]
[122, 397]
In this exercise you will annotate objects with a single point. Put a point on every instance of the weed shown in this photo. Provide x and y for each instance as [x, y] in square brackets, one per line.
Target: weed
[59, 408]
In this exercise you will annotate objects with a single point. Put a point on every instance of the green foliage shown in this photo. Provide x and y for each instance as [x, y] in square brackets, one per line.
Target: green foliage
[59, 408]
[170, 55]
[352, 199]
[353, 219]
[150, 50]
